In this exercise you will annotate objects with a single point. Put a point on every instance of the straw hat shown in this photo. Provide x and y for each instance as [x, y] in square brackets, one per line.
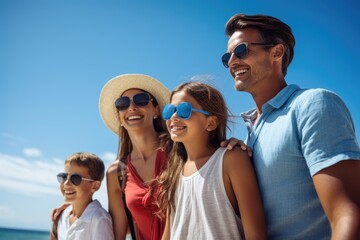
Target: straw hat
[116, 86]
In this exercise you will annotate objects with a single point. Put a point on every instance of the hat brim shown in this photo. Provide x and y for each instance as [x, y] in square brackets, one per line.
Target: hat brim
[116, 86]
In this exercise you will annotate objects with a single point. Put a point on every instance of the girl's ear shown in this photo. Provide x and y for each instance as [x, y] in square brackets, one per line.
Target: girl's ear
[212, 123]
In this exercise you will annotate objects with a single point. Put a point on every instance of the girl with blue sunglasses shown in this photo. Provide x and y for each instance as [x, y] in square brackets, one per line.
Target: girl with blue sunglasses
[207, 191]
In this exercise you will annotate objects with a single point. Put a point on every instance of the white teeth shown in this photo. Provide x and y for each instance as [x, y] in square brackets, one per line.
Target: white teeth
[241, 71]
[69, 192]
[134, 117]
[176, 128]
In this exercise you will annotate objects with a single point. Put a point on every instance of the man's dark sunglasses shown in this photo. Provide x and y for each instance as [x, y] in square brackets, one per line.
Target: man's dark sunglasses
[140, 100]
[74, 178]
[240, 52]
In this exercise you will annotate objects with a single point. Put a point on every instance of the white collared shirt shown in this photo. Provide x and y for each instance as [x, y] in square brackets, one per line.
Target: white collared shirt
[94, 224]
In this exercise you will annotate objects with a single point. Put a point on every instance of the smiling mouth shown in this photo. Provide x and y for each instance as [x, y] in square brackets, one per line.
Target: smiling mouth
[241, 71]
[135, 117]
[69, 192]
[177, 128]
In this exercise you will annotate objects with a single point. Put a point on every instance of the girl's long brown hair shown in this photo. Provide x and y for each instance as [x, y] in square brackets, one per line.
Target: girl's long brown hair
[212, 101]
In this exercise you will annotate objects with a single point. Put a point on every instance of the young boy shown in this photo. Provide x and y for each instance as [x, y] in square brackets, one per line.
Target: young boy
[84, 218]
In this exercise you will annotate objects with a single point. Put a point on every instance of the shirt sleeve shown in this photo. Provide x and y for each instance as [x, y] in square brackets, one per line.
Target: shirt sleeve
[326, 130]
[102, 227]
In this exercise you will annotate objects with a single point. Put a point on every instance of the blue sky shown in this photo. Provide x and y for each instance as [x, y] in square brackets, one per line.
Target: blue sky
[55, 57]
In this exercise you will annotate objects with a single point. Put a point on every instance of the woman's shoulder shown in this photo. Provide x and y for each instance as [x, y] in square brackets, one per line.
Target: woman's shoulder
[113, 168]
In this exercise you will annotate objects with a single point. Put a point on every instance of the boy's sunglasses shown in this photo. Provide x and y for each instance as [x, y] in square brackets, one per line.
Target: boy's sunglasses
[240, 52]
[139, 99]
[74, 178]
[183, 111]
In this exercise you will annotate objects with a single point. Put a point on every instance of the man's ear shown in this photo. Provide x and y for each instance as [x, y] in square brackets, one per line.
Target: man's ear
[95, 186]
[212, 123]
[277, 52]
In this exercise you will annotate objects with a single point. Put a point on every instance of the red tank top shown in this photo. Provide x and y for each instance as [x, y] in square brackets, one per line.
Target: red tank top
[141, 204]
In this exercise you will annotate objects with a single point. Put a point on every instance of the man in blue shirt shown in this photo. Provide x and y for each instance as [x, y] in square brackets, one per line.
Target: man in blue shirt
[305, 150]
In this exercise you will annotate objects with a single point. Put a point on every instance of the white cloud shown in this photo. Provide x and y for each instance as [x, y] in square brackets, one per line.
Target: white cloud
[28, 177]
[59, 161]
[6, 213]
[203, 78]
[29, 188]
[32, 152]
[108, 157]
[13, 137]
[11, 140]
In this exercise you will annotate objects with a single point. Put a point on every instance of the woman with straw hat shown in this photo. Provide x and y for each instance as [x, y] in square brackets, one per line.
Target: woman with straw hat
[130, 105]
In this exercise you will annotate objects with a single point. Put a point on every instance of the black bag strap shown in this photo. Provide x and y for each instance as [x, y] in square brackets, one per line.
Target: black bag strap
[122, 170]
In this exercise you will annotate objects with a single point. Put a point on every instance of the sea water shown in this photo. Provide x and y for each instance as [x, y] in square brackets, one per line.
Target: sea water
[19, 234]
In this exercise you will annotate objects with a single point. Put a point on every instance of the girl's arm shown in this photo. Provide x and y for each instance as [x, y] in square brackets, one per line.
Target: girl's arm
[243, 192]
[115, 202]
[166, 234]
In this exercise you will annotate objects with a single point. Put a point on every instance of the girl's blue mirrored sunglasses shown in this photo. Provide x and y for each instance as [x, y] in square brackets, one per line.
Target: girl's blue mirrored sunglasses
[183, 111]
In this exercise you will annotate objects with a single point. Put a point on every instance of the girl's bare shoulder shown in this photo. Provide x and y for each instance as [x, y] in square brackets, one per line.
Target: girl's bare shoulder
[236, 159]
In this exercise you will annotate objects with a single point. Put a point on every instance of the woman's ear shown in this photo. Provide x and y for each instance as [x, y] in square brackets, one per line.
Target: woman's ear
[156, 112]
[212, 123]
[118, 116]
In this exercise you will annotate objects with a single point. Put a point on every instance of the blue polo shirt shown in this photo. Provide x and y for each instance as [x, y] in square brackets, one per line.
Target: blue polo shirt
[300, 132]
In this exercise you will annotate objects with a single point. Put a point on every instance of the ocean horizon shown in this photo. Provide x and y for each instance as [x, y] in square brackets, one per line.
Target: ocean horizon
[7, 233]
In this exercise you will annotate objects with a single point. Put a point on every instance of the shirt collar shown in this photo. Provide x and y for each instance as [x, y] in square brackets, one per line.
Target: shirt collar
[276, 102]
[280, 99]
[89, 211]
[87, 214]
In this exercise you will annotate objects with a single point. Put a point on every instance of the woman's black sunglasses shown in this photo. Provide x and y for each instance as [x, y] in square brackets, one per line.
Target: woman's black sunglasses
[74, 178]
[140, 100]
[240, 52]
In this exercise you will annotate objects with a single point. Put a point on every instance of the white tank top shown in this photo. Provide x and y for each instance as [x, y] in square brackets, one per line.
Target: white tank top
[203, 210]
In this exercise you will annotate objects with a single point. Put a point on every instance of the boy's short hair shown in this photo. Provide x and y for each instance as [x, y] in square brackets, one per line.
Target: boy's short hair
[90, 161]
